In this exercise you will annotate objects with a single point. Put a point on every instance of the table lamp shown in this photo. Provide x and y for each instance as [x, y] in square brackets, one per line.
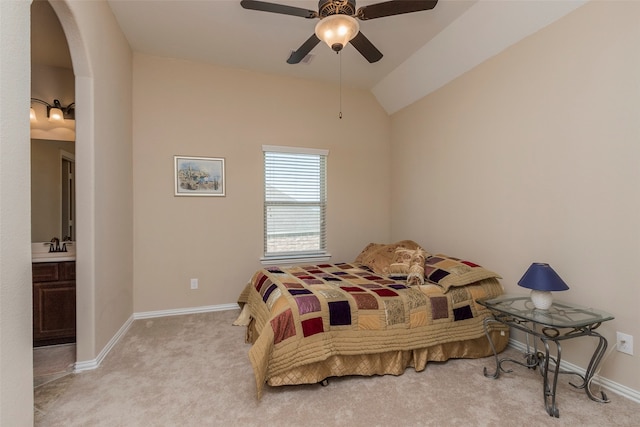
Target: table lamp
[542, 279]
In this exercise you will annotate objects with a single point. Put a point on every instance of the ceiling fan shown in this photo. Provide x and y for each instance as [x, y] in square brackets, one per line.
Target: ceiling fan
[338, 25]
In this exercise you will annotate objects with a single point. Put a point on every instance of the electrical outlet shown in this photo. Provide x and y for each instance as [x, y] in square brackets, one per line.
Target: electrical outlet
[624, 343]
[194, 283]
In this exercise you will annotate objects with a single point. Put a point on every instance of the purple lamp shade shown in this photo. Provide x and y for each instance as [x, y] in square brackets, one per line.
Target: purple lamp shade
[542, 279]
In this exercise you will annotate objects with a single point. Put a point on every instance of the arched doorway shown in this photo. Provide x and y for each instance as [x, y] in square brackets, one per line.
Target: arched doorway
[83, 155]
[52, 197]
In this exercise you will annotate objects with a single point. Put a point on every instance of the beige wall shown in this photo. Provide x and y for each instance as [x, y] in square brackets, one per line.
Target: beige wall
[186, 108]
[533, 156]
[16, 366]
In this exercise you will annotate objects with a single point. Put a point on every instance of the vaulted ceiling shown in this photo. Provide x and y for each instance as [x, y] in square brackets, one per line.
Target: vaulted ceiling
[422, 50]
[222, 32]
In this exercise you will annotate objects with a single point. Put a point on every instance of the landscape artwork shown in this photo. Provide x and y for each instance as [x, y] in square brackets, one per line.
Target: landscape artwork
[199, 176]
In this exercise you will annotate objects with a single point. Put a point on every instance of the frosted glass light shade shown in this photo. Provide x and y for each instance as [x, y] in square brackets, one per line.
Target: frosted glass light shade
[32, 115]
[55, 115]
[337, 30]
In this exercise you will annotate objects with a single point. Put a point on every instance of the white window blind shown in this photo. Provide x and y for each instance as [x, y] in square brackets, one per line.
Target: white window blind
[295, 199]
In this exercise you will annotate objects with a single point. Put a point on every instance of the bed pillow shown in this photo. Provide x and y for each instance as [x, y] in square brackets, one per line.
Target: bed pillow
[379, 256]
[401, 261]
[416, 268]
[449, 272]
[409, 262]
[368, 253]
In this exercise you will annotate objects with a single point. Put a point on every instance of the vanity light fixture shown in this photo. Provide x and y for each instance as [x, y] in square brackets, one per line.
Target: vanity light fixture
[55, 112]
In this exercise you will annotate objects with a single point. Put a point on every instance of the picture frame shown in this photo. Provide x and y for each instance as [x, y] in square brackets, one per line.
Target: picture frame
[199, 176]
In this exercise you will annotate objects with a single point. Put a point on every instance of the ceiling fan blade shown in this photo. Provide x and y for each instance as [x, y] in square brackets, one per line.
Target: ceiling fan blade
[278, 8]
[366, 48]
[303, 50]
[394, 7]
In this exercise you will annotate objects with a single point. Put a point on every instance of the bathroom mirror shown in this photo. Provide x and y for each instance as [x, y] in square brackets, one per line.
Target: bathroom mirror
[52, 190]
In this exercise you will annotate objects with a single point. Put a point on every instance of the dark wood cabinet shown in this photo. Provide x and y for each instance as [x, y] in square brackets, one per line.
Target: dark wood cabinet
[54, 303]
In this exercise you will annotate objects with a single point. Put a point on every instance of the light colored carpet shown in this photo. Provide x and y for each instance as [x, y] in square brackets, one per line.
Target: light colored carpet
[193, 370]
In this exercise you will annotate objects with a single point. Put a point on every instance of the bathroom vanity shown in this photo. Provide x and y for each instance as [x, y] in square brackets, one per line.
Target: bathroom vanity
[54, 299]
[54, 303]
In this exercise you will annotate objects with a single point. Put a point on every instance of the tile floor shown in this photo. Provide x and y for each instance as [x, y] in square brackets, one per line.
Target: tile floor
[52, 362]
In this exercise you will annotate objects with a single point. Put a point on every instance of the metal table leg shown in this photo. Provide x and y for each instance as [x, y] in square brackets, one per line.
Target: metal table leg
[549, 391]
[598, 354]
[532, 359]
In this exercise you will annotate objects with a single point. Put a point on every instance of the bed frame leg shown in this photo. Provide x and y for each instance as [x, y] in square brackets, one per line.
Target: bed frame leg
[324, 382]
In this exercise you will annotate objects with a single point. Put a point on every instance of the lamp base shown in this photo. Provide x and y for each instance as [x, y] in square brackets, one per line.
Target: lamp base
[542, 300]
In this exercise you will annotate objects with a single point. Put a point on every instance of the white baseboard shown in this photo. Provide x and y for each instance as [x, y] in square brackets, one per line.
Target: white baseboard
[88, 365]
[93, 364]
[181, 311]
[613, 386]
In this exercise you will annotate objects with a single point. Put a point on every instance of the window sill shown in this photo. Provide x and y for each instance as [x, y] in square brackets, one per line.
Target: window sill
[295, 259]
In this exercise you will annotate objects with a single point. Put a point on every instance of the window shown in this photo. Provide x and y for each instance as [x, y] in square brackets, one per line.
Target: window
[295, 200]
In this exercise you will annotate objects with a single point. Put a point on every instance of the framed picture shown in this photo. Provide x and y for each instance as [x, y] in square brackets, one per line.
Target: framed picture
[199, 176]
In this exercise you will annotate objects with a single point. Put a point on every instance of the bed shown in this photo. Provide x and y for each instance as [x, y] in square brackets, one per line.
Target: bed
[396, 306]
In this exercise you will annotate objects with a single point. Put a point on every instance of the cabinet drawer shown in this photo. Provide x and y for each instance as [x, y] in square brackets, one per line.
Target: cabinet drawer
[45, 271]
[53, 271]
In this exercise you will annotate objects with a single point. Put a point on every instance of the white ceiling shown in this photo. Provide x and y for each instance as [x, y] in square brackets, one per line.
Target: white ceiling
[222, 32]
[422, 50]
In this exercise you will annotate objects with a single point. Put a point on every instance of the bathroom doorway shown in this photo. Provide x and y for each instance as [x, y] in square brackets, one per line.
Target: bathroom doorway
[53, 190]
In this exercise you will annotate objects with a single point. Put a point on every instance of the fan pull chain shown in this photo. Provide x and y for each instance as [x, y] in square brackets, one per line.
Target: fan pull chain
[340, 115]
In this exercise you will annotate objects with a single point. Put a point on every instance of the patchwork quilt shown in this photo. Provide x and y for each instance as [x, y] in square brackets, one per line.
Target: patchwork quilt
[305, 314]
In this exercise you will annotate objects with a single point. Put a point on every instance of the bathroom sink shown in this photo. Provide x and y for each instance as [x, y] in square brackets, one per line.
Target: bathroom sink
[40, 252]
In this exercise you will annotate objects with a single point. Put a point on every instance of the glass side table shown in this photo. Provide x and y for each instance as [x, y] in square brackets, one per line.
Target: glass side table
[560, 322]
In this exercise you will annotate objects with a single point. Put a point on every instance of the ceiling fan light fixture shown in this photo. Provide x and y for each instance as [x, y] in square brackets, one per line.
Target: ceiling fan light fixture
[337, 30]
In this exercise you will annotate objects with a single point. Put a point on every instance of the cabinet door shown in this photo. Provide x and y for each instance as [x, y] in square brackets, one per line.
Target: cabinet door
[54, 310]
